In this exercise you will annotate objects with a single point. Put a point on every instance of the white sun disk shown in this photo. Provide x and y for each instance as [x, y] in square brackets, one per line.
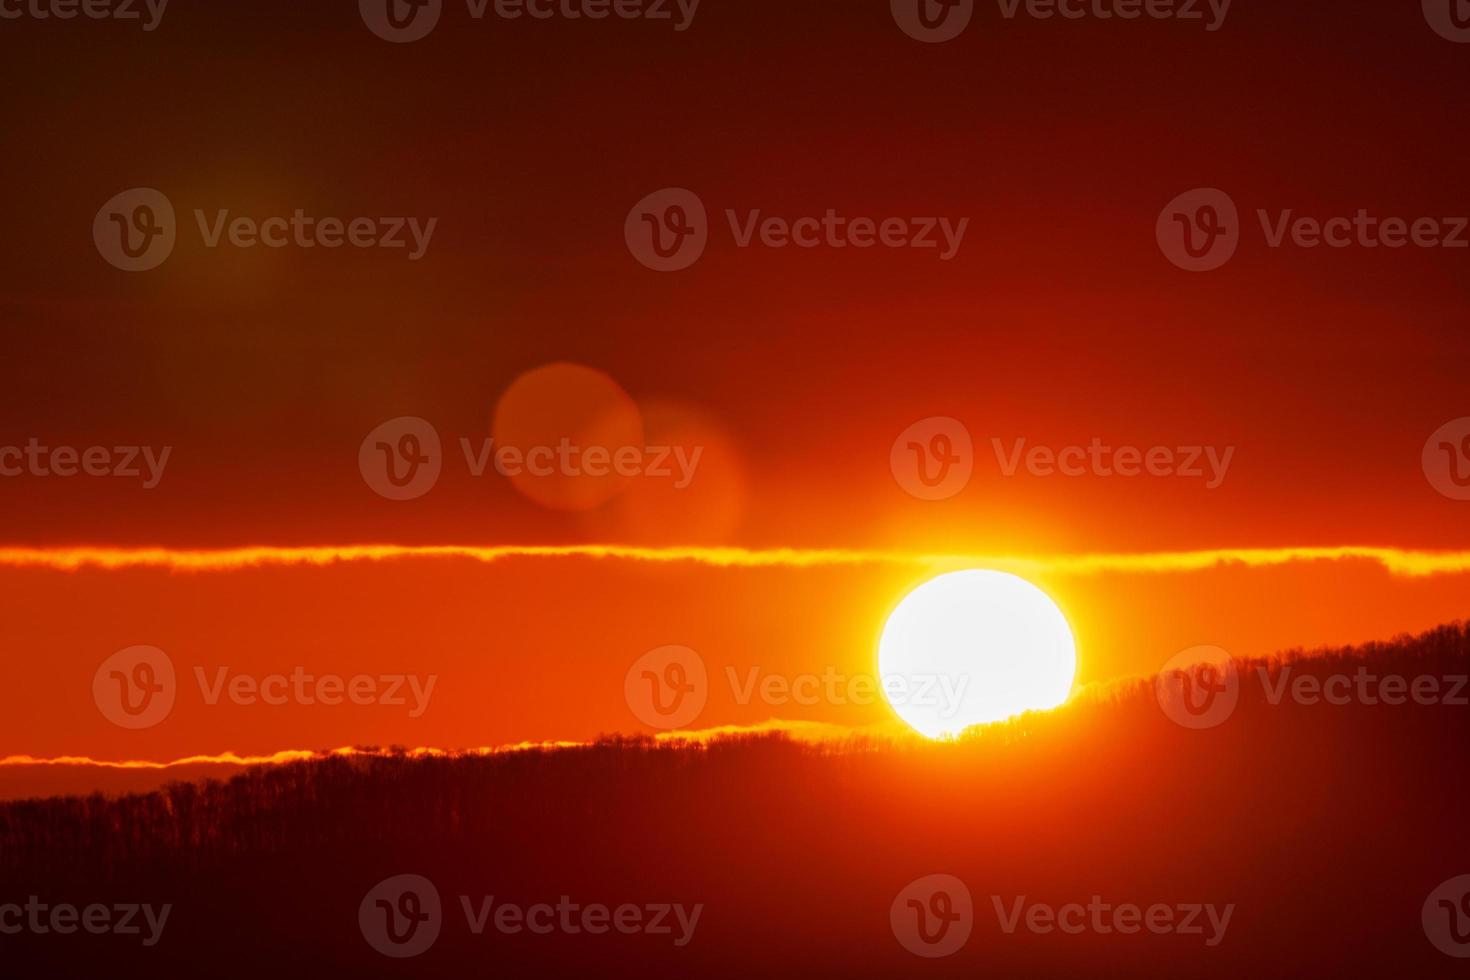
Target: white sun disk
[972, 647]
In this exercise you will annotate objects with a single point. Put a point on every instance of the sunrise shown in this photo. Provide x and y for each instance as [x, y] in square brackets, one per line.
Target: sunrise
[658, 488]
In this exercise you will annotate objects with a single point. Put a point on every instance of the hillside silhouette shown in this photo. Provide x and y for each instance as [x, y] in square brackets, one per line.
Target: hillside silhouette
[1325, 826]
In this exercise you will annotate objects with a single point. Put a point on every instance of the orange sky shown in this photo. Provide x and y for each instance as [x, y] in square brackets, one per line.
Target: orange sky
[536, 648]
[1322, 372]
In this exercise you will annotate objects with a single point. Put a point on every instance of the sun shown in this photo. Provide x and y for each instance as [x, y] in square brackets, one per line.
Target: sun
[972, 647]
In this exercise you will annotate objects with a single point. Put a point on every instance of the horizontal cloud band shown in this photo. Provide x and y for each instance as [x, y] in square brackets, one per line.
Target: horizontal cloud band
[1397, 561]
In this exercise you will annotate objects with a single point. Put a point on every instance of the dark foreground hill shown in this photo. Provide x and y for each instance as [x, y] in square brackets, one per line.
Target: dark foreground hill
[1296, 837]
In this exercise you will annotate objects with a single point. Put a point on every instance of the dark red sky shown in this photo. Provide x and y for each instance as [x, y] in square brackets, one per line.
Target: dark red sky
[1059, 320]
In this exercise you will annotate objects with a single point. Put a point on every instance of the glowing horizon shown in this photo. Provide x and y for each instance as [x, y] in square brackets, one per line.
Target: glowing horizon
[800, 730]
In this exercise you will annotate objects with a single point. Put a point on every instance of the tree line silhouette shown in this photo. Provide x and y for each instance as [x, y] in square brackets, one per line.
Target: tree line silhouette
[1325, 825]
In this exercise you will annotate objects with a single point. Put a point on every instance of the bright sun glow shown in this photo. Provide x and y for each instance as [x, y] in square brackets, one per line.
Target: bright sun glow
[973, 647]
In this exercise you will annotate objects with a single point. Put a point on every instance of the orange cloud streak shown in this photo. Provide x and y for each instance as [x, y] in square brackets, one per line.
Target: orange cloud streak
[1397, 561]
[806, 731]
[275, 758]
